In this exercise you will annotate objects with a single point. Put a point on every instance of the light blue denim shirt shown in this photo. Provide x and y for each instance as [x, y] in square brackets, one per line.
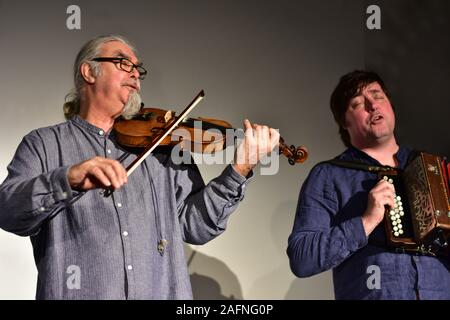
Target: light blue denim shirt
[112, 244]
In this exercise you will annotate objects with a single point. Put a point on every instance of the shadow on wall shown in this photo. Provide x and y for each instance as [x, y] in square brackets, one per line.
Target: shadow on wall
[281, 282]
[211, 279]
[203, 279]
[318, 287]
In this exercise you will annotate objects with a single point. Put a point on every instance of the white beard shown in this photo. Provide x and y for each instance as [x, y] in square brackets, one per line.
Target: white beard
[132, 106]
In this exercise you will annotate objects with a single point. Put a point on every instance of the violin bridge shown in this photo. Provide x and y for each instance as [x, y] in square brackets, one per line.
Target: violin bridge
[168, 116]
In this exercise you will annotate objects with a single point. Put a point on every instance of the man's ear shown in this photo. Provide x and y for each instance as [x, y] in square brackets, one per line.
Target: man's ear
[87, 73]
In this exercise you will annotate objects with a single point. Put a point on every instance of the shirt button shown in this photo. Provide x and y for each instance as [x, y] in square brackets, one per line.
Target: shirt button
[119, 204]
[101, 132]
[125, 233]
[108, 151]
[42, 209]
[130, 267]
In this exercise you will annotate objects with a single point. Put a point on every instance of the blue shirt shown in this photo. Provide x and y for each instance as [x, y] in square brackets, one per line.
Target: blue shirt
[125, 246]
[328, 234]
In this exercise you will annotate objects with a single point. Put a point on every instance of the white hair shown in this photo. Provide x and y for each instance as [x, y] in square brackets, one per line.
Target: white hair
[88, 52]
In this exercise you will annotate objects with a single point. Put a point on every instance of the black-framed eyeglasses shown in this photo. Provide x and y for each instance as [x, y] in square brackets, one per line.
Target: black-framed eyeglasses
[124, 64]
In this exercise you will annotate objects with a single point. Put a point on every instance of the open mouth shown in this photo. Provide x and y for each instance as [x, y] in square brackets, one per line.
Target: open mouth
[376, 118]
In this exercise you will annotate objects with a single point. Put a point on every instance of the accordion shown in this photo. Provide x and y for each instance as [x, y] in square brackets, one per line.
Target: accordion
[420, 220]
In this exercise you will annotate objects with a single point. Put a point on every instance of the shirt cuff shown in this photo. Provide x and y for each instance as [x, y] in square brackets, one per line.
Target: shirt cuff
[249, 176]
[60, 185]
[234, 181]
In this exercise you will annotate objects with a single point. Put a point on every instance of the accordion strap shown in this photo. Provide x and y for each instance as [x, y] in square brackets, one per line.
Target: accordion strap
[431, 250]
[359, 165]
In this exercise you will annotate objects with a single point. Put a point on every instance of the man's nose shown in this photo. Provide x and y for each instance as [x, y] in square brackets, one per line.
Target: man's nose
[135, 76]
[135, 73]
[370, 104]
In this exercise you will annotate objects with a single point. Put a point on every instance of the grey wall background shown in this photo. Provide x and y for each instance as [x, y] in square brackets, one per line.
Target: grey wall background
[274, 62]
[412, 53]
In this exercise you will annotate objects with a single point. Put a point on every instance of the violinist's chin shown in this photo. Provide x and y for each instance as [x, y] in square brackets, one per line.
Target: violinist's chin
[133, 105]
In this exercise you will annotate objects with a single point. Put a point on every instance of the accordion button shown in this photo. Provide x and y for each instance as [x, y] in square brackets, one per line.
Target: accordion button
[385, 178]
[400, 231]
[392, 213]
[397, 216]
[402, 213]
[395, 229]
[396, 234]
[391, 181]
[394, 223]
[400, 226]
[393, 218]
[398, 198]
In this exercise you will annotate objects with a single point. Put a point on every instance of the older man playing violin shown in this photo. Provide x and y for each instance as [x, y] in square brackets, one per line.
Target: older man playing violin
[128, 245]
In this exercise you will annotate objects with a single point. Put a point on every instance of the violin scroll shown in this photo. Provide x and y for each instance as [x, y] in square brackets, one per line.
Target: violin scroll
[294, 154]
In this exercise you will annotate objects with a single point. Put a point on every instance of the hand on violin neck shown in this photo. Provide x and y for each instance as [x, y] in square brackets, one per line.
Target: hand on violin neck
[95, 173]
[258, 142]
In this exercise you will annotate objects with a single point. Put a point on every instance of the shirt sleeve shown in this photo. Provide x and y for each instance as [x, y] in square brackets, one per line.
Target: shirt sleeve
[30, 193]
[317, 242]
[204, 212]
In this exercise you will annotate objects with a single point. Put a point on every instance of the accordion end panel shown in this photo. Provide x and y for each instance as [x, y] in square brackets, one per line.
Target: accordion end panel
[427, 192]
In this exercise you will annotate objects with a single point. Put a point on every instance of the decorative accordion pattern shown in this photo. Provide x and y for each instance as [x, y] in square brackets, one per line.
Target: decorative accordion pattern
[421, 215]
[421, 201]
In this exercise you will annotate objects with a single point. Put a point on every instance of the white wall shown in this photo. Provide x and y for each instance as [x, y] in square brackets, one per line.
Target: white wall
[274, 62]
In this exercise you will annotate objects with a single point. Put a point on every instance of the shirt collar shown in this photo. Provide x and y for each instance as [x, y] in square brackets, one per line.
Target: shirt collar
[353, 153]
[80, 122]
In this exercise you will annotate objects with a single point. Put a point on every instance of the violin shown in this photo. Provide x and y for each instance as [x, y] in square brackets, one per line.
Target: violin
[204, 135]
[153, 127]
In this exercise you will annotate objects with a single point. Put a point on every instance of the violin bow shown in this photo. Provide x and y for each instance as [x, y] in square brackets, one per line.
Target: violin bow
[166, 131]
[159, 138]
